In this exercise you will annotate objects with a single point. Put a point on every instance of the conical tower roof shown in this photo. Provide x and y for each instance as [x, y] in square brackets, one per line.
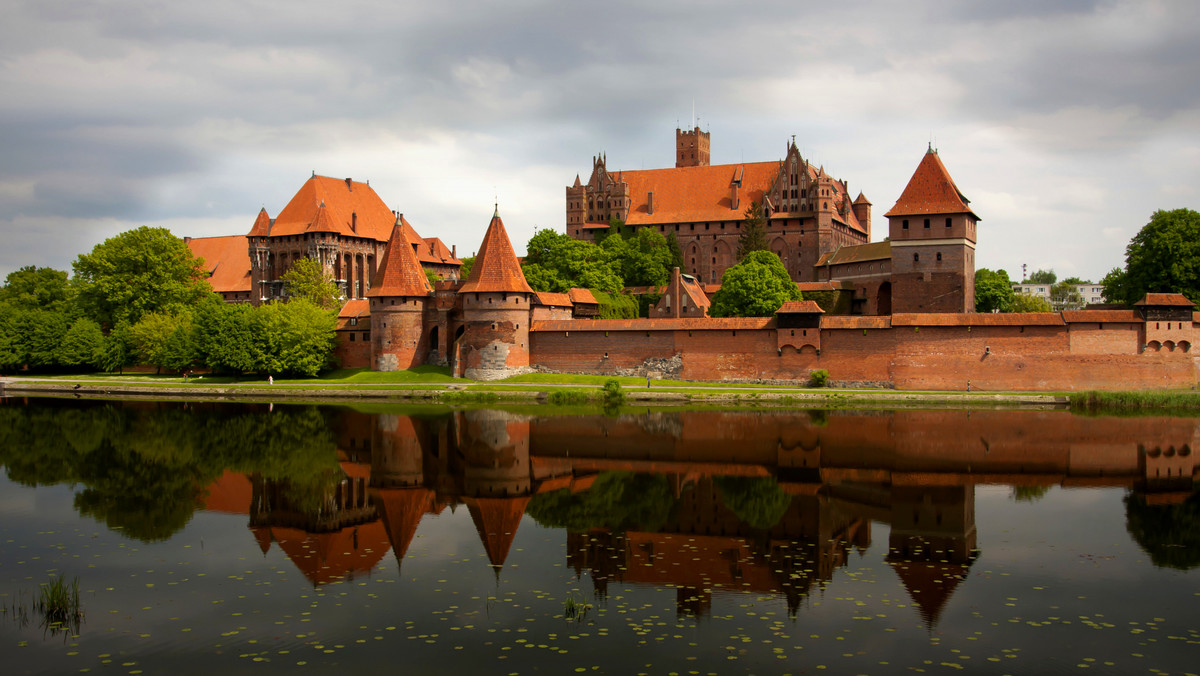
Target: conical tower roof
[497, 520]
[322, 221]
[402, 511]
[400, 273]
[930, 584]
[262, 225]
[496, 267]
[931, 191]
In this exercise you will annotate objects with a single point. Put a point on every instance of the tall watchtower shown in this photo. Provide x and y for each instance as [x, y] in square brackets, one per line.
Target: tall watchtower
[932, 231]
[691, 148]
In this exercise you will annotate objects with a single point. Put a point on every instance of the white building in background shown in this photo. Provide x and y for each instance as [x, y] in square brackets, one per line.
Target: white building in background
[1090, 293]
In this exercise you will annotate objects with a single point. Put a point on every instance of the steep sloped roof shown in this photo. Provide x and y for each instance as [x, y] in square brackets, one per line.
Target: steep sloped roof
[496, 268]
[578, 295]
[227, 260]
[262, 225]
[402, 510]
[857, 253]
[400, 273]
[931, 191]
[353, 209]
[497, 520]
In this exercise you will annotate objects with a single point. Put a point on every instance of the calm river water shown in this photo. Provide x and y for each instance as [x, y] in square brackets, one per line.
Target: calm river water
[220, 538]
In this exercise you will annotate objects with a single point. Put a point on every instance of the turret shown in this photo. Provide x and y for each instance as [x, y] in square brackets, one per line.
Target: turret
[399, 295]
[691, 148]
[496, 306]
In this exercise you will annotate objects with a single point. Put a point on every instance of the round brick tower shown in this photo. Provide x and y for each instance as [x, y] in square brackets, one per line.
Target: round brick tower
[398, 296]
[496, 310]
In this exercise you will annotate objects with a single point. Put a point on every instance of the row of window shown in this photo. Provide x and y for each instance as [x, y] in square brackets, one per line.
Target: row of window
[904, 223]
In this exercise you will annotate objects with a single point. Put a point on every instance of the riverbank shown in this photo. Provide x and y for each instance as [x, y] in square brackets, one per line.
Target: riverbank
[573, 390]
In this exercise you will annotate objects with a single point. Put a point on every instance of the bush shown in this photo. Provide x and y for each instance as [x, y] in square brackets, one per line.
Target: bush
[818, 378]
[614, 396]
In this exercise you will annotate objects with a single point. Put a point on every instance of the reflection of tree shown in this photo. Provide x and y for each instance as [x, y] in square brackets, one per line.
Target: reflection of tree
[1170, 534]
[1029, 493]
[617, 500]
[143, 468]
[758, 502]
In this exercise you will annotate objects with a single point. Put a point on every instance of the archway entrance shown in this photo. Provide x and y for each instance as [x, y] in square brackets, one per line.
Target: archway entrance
[883, 299]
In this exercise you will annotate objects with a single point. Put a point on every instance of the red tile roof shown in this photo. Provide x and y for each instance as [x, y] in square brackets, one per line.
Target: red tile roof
[352, 210]
[578, 295]
[227, 260]
[1106, 316]
[852, 322]
[262, 225]
[664, 324]
[496, 268]
[931, 191]
[355, 309]
[400, 273]
[979, 319]
[799, 306]
[553, 299]
[857, 254]
[436, 251]
[698, 194]
[1165, 299]
[824, 286]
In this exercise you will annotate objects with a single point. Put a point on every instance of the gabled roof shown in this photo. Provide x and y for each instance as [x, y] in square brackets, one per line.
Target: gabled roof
[227, 260]
[1165, 299]
[400, 273]
[578, 295]
[436, 251]
[262, 225]
[496, 268]
[352, 210]
[695, 293]
[799, 307]
[358, 308]
[857, 253]
[931, 191]
[552, 299]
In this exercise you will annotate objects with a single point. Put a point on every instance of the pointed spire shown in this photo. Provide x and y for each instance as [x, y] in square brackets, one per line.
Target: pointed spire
[496, 521]
[400, 273]
[401, 513]
[496, 267]
[321, 221]
[262, 225]
[931, 191]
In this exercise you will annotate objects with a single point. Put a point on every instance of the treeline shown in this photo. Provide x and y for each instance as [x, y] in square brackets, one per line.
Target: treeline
[142, 298]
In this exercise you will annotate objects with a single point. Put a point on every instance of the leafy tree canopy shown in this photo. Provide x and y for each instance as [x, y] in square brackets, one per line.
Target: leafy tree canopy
[309, 280]
[1163, 257]
[1064, 296]
[36, 288]
[138, 272]
[1074, 280]
[756, 287]
[1042, 277]
[754, 231]
[993, 291]
[467, 264]
[565, 262]
[1026, 302]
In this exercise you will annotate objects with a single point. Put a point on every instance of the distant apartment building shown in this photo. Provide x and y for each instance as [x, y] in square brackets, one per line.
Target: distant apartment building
[1088, 294]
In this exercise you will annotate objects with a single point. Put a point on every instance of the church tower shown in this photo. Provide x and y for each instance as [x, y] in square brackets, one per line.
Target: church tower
[398, 298]
[932, 231]
[496, 304]
[691, 148]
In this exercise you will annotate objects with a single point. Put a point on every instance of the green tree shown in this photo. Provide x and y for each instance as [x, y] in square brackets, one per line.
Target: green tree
[643, 260]
[307, 279]
[298, 337]
[1042, 277]
[754, 231]
[465, 270]
[12, 355]
[82, 345]
[138, 272]
[1075, 280]
[165, 341]
[756, 287]
[34, 288]
[1064, 296]
[567, 262]
[1163, 257]
[675, 250]
[1025, 302]
[44, 331]
[118, 350]
[993, 291]
[226, 339]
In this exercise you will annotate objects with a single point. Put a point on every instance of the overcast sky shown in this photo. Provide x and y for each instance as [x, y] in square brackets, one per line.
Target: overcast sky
[1066, 122]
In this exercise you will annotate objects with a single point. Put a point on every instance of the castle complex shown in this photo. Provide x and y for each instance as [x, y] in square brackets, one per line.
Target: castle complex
[911, 325]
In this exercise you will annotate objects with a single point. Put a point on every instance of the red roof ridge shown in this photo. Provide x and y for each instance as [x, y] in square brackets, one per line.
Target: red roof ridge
[799, 306]
[1165, 299]
[931, 190]
[400, 273]
[496, 269]
[262, 224]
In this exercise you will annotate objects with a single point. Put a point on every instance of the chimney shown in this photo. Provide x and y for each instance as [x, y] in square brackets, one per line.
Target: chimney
[186, 240]
[454, 251]
[676, 290]
[349, 186]
[353, 221]
[650, 203]
[733, 196]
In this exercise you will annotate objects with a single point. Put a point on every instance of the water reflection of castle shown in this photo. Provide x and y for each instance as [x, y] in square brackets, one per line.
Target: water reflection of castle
[915, 471]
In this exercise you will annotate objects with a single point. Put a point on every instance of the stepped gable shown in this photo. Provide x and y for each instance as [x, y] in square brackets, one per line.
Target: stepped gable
[262, 225]
[352, 210]
[931, 191]
[496, 269]
[400, 273]
[496, 520]
[227, 260]
[402, 511]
